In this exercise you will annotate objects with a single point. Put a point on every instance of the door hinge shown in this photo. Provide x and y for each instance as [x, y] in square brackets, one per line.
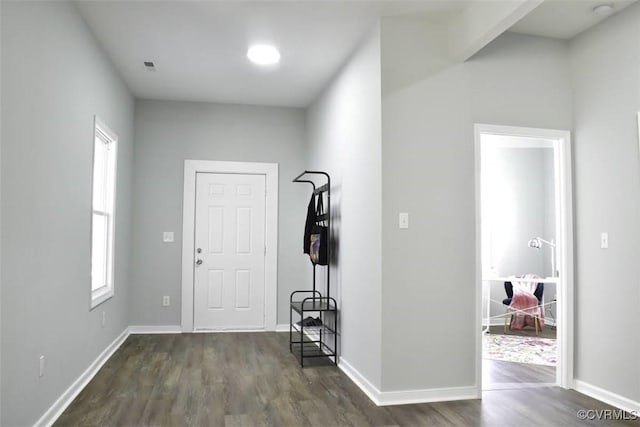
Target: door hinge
[265, 251]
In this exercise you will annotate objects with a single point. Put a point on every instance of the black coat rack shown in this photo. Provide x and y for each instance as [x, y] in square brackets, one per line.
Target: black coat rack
[323, 218]
[313, 341]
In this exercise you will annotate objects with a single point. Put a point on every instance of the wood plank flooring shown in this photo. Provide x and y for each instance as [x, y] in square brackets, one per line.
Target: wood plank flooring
[501, 375]
[251, 379]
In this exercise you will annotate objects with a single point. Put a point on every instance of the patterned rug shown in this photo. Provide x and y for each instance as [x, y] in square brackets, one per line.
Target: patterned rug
[512, 348]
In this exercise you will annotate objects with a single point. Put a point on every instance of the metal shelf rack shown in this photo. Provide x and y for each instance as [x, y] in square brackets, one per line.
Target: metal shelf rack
[318, 342]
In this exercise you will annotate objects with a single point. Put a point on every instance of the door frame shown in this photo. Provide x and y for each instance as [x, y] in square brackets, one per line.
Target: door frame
[270, 171]
[564, 241]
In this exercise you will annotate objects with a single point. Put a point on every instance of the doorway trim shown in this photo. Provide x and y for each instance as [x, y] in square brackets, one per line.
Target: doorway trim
[270, 170]
[564, 240]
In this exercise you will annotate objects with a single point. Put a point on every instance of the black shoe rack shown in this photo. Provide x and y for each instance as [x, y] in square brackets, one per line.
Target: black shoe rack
[313, 314]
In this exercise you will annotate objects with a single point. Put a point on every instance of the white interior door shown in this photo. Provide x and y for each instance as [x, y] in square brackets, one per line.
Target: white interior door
[229, 271]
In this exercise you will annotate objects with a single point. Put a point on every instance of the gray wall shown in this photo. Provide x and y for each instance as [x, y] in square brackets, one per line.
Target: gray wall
[521, 212]
[54, 79]
[428, 304]
[344, 140]
[428, 170]
[167, 133]
[0, 215]
[605, 64]
[548, 176]
[523, 209]
[423, 290]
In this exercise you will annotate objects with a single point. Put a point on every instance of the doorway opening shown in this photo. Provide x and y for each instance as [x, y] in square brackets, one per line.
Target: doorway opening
[524, 257]
[229, 246]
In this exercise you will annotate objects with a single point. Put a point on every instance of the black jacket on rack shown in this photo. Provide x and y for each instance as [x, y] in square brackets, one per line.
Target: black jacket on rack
[308, 225]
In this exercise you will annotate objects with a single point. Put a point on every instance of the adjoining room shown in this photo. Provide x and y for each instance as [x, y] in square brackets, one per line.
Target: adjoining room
[201, 201]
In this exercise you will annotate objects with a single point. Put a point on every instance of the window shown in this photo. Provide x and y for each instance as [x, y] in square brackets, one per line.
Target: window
[105, 144]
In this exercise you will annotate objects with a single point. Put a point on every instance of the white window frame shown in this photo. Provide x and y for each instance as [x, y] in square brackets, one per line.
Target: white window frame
[103, 293]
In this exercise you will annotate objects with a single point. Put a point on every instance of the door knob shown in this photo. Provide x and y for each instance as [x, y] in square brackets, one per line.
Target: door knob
[198, 261]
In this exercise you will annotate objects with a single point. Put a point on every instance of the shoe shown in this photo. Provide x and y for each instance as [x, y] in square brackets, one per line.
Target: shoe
[317, 322]
[310, 321]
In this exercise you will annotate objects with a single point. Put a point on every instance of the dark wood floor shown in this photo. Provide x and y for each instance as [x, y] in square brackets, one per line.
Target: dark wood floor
[500, 375]
[251, 379]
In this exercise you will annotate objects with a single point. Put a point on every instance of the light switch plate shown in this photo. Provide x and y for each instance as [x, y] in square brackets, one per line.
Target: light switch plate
[41, 366]
[604, 240]
[403, 220]
[167, 236]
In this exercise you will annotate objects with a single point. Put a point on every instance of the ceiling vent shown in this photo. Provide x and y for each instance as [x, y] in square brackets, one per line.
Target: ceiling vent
[149, 65]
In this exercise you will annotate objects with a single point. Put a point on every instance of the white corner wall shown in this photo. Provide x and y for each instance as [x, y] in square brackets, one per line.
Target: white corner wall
[429, 319]
[428, 300]
[605, 71]
[343, 128]
[55, 78]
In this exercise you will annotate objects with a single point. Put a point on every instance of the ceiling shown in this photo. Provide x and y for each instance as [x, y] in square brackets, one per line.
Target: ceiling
[199, 47]
[565, 19]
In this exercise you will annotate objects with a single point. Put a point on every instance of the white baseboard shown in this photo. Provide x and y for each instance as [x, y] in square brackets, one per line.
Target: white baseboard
[177, 329]
[52, 414]
[547, 323]
[405, 397]
[494, 322]
[608, 397]
[156, 329]
[360, 380]
[226, 331]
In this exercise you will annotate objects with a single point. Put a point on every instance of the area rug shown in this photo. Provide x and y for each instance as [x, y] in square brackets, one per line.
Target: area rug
[513, 348]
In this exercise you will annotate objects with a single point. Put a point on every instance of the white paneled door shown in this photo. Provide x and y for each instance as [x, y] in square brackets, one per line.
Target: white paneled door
[229, 274]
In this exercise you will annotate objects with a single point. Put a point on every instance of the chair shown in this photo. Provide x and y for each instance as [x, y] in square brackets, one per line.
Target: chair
[539, 291]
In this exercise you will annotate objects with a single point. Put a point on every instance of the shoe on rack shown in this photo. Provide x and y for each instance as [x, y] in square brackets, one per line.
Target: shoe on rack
[309, 321]
[316, 322]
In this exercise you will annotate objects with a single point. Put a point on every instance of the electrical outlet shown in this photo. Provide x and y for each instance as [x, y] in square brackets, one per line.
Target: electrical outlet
[604, 240]
[104, 318]
[167, 236]
[41, 367]
[166, 301]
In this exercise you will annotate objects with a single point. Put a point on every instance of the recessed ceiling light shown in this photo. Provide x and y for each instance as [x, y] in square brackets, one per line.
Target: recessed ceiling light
[263, 54]
[603, 9]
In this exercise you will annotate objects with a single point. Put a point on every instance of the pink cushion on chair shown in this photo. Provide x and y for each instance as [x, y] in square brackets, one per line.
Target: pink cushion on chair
[524, 307]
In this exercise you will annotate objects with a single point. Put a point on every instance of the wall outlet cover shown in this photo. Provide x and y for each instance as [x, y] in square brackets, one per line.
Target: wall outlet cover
[403, 220]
